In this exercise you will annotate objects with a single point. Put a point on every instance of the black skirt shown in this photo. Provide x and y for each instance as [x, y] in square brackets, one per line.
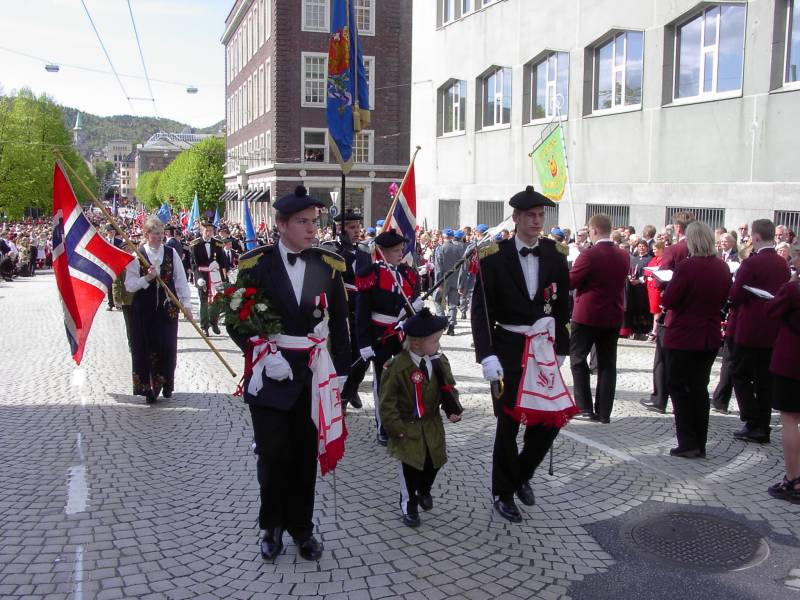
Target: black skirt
[785, 394]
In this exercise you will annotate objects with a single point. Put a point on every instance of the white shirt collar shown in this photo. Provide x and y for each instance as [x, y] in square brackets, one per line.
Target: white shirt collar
[285, 251]
[520, 244]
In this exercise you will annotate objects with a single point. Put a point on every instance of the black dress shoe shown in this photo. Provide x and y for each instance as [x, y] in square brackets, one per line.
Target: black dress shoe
[355, 401]
[215, 328]
[310, 549]
[752, 435]
[508, 510]
[425, 501]
[451, 330]
[205, 331]
[272, 543]
[525, 495]
[603, 420]
[150, 398]
[649, 405]
[586, 415]
[166, 393]
[719, 407]
[411, 520]
[687, 452]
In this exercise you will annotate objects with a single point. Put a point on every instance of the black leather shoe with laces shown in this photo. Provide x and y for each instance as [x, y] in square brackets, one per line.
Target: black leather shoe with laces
[508, 510]
[525, 495]
[272, 543]
[309, 549]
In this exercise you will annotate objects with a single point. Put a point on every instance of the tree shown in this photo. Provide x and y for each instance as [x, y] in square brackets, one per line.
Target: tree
[146, 189]
[199, 169]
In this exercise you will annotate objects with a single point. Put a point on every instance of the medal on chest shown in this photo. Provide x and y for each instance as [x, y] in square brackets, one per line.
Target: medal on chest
[550, 295]
[320, 305]
[417, 377]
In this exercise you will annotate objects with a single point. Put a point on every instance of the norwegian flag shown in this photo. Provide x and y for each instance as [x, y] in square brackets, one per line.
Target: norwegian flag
[84, 263]
[404, 216]
[139, 219]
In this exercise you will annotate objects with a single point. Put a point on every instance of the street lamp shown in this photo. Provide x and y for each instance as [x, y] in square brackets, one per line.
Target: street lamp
[52, 68]
[191, 90]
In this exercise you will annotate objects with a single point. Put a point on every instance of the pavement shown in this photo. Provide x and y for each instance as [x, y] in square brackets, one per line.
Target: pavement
[102, 496]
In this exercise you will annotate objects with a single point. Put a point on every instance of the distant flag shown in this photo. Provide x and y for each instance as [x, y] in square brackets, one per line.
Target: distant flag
[164, 213]
[403, 213]
[184, 219]
[140, 216]
[114, 208]
[194, 216]
[348, 89]
[84, 263]
[216, 218]
[249, 231]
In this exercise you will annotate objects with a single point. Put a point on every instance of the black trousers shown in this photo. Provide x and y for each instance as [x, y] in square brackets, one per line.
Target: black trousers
[510, 467]
[688, 373]
[582, 338]
[202, 293]
[414, 482]
[286, 442]
[660, 395]
[110, 299]
[724, 390]
[752, 383]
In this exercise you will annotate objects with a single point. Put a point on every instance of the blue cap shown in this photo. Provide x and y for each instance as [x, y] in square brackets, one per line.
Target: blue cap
[459, 235]
[557, 231]
[448, 232]
[379, 223]
[371, 230]
[498, 236]
[482, 228]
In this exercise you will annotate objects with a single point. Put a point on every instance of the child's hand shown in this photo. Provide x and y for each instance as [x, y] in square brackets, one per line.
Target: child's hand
[454, 418]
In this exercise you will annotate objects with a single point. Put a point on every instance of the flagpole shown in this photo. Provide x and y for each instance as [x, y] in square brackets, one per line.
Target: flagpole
[143, 260]
[566, 166]
[400, 189]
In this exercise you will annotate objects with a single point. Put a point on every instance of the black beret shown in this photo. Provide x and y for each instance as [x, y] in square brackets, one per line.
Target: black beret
[296, 201]
[348, 216]
[529, 198]
[390, 238]
[424, 324]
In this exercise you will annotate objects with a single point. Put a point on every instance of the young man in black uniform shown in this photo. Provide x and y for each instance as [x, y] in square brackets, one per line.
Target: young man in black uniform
[207, 257]
[356, 259]
[524, 280]
[385, 289]
[303, 285]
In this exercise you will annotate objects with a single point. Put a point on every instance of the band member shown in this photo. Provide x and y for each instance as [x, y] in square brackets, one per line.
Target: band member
[598, 276]
[282, 384]
[445, 258]
[385, 289]
[355, 258]
[525, 284]
[469, 270]
[208, 262]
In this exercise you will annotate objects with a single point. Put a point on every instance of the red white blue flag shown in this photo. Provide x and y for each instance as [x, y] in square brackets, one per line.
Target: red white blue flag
[403, 217]
[84, 263]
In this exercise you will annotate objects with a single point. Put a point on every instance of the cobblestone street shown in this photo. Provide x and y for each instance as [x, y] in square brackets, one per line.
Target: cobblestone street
[102, 496]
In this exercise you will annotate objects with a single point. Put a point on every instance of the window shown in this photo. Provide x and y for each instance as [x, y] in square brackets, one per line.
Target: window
[268, 86]
[246, 44]
[246, 114]
[448, 10]
[268, 146]
[449, 213]
[620, 213]
[315, 15]
[618, 72]
[467, 6]
[792, 73]
[710, 52]
[369, 67]
[259, 83]
[713, 217]
[495, 97]
[315, 145]
[315, 73]
[490, 212]
[488, 2]
[550, 86]
[452, 104]
[362, 147]
[365, 16]
[266, 14]
[788, 218]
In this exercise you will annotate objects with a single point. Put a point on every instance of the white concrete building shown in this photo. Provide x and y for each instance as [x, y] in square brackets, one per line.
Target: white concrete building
[667, 105]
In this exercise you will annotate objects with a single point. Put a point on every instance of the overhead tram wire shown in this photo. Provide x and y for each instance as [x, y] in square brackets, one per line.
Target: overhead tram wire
[108, 57]
[141, 56]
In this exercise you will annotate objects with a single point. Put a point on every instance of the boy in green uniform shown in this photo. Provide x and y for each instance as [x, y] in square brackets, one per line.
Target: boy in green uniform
[415, 384]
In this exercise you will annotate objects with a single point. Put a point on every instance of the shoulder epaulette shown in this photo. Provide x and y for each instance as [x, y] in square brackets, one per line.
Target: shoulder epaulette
[332, 259]
[250, 259]
[388, 363]
[196, 241]
[563, 248]
[488, 249]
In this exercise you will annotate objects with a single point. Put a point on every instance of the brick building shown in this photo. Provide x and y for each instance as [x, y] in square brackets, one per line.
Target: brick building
[275, 76]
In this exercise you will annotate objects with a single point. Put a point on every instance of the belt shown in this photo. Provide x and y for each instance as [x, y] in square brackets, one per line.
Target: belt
[350, 287]
[381, 319]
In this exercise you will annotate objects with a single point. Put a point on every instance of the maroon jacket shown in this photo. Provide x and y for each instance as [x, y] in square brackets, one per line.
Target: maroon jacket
[694, 300]
[767, 271]
[785, 308]
[675, 254]
[599, 275]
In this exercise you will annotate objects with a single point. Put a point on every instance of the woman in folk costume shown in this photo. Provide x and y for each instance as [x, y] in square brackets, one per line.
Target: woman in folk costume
[520, 310]
[415, 385]
[153, 317]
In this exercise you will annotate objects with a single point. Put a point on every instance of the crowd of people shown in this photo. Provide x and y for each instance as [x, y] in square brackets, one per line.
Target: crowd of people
[348, 298]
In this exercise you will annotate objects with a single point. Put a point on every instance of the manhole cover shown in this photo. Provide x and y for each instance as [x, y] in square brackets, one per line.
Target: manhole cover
[699, 541]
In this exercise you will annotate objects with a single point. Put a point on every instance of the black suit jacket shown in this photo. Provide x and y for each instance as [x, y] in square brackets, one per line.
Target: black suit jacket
[508, 302]
[270, 277]
[200, 257]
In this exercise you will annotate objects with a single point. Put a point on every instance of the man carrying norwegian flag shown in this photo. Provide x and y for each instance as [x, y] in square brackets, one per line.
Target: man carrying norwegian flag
[84, 263]
[520, 310]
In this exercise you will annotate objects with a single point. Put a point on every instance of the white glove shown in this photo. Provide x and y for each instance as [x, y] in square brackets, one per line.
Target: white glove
[561, 358]
[276, 367]
[492, 370]
[201, 283]
[367, 353]
[418, 304]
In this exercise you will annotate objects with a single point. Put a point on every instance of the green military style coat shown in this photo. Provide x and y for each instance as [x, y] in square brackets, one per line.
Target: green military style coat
[397, 412]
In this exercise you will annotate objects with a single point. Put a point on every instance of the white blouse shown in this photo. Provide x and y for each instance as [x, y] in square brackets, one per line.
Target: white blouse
[135, 282]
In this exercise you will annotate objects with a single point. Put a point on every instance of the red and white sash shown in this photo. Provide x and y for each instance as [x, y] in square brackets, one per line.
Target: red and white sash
[542, 397]
[213, 278]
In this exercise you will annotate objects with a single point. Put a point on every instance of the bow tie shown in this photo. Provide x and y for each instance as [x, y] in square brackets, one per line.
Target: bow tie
[525, 251]
[293, 256]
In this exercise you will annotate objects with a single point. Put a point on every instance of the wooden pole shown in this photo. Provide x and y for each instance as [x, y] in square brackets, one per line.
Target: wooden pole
[144, 261]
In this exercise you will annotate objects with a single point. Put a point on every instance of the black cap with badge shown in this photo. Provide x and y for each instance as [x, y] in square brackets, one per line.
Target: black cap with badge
[529, 198]
[296, 201]
[348, 216]
[423, 324]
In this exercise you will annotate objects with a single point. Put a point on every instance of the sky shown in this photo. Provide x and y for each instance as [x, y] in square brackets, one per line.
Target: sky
[180, 42]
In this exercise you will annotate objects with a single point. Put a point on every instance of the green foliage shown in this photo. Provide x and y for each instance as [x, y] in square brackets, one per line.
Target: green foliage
[199, 169]
[146, 189]
[31, 128]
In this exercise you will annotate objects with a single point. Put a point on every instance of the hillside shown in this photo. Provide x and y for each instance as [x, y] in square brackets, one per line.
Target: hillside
[98, 131]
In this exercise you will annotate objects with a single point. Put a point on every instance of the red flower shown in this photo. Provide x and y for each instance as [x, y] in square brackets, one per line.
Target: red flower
[250, 292]
[248, 304]
[229, 291]
[244, 314]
